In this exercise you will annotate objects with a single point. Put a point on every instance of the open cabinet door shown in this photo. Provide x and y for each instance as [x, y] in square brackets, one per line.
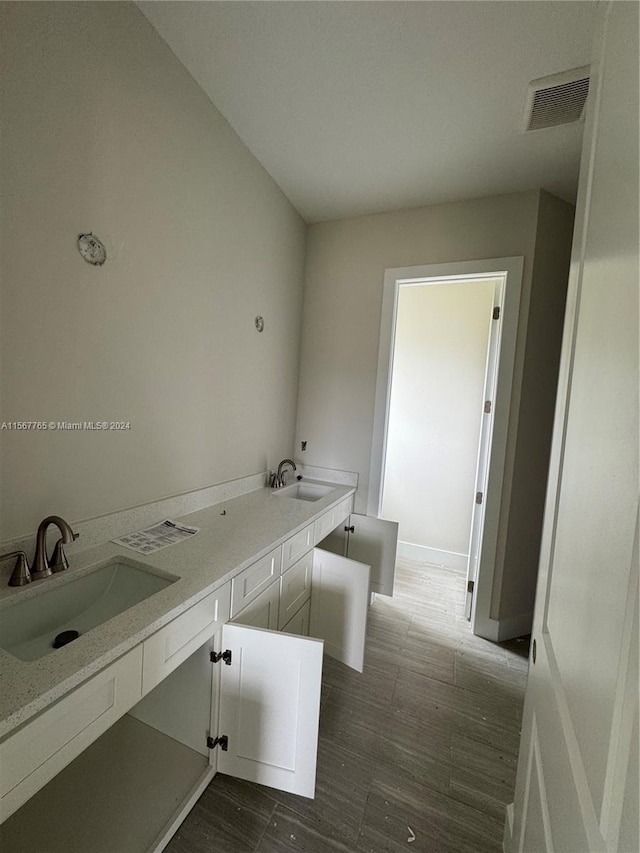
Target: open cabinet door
[339, 603]
[270, 707]
[374, 542]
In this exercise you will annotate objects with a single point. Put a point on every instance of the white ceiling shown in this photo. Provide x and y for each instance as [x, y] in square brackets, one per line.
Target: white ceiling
[355, 107]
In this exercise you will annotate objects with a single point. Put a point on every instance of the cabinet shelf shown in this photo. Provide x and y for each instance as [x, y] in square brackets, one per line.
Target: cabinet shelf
[117, 795]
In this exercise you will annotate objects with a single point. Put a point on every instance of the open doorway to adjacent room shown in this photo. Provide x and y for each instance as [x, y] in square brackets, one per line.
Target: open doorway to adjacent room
[444, 386]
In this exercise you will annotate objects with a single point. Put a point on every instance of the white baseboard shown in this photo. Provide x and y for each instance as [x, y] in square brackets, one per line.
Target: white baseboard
[448, 559]
[508, 829]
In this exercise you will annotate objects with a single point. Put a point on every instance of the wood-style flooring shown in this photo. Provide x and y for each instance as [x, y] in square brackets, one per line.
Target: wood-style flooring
[416, 753]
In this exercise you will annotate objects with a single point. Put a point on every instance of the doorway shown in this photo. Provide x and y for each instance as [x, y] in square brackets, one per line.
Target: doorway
[442, 410]
[437, 416]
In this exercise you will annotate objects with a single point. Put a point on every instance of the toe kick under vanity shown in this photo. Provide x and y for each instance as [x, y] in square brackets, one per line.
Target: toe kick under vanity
[220, 672]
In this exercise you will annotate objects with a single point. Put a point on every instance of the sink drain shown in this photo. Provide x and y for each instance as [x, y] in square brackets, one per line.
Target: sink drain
[65, 637]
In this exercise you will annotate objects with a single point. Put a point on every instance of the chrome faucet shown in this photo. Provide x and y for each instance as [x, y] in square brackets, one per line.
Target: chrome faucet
[43, 567]
[277, 480]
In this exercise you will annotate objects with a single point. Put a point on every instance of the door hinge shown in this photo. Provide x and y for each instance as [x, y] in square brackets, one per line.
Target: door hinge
[215, 657]
[487, 407]
[496, 313]
[349, 529]
[222, 742]
[479, 497]
[470, 586]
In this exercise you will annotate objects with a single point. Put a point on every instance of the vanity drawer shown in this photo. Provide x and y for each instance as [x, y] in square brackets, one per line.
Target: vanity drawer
[173, 644]
[323, 526]
[344, 510]
[297, 546]
[254, 579]
[43, 747]
[262, 612]
[295, 589]
[331, 519]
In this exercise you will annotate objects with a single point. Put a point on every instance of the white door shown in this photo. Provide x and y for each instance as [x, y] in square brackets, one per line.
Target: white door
[339, 604]
[374, 542]
[577, 783]
[270, 707]
[484, 448]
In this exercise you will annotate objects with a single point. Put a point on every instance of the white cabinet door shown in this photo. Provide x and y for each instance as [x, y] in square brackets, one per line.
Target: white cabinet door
[269, 708]
[374, 541]
[295, 589]
[339, 603]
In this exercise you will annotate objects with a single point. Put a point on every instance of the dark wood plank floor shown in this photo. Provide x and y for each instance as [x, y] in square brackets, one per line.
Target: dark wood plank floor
[417, 753]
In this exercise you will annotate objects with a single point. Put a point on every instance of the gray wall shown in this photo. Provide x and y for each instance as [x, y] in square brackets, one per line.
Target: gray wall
[344, 275]
[105, 131]
[517, 565]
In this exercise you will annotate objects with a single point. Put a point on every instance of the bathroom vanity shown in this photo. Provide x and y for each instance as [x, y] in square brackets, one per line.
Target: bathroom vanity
[220, 671]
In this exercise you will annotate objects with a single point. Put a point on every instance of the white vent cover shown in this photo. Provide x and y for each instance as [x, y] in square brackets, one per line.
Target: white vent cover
[558, 99]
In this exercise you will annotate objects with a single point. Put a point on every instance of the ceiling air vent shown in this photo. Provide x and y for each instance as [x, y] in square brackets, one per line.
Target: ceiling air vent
[556, 100]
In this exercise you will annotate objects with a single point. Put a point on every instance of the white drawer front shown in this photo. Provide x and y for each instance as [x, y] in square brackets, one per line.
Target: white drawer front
[331, 519]
[262, 612]
[295, 588]
[43, 747]
[254, 579]
[171, 645]
[297, 547]
[323, 526]
[299, 624]
[344, 510]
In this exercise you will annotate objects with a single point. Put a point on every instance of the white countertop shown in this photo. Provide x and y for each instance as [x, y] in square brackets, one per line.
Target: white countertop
[252, 525]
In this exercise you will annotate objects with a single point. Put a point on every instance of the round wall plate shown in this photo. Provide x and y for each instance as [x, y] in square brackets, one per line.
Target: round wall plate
[92, 249]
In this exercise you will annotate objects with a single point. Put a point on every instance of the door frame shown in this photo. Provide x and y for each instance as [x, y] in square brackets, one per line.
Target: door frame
[511, 269]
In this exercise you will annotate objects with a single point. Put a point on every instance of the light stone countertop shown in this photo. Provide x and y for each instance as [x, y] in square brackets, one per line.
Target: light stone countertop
[253, 525]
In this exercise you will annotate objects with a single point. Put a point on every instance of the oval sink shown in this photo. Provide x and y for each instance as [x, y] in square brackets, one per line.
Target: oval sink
[304, 491]
[29, 626]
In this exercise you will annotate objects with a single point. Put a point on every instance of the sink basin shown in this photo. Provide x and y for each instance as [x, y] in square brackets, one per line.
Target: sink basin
[304, 491]
[29, 625]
